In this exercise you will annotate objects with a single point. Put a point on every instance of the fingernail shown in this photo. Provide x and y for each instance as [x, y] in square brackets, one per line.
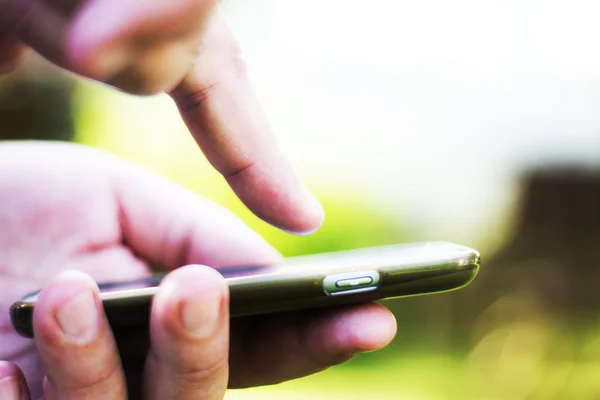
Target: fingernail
[200, 314]
[317, 212]
[10, 389]
[79, 317]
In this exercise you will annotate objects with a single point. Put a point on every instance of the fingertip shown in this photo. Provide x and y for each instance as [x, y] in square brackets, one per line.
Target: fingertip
[76, 277]
[271, 190]
[307, 342]
[310, 218]
[62, 287]
[371, 329]
[93, 53]
[8, 370]
[98, 40]
[12, 382]
[190, 302]
[194, 278]
[67, 309]
[359, 329]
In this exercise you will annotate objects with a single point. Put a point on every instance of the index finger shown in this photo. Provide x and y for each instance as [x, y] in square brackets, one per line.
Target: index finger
[218, 105]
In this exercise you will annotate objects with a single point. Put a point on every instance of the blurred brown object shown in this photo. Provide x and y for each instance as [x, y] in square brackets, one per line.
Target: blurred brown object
[548, 269]
[554, 254]
[35, 102]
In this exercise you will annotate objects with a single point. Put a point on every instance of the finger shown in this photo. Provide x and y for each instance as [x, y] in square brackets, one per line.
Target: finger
[74, 341]
[11, 51]
[171, 226]
[190, 337]
[275, 348]
[145, 47]
[220, 109]
[12, 383]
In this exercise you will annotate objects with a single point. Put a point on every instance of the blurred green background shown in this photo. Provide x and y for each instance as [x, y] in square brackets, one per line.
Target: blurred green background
[472, 122]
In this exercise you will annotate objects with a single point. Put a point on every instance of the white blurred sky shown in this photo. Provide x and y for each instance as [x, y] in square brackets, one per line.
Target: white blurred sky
[430, 103]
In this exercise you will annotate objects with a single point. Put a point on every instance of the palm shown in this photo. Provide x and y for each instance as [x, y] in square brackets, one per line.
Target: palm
[55, 217]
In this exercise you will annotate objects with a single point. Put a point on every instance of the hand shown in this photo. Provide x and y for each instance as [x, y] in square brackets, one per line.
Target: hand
[67, 207]
[184, 48]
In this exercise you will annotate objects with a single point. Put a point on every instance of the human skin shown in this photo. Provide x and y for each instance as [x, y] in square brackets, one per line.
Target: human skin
[71, 213]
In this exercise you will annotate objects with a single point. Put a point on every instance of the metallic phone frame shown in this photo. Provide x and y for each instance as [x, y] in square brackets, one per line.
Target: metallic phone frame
[305, 282]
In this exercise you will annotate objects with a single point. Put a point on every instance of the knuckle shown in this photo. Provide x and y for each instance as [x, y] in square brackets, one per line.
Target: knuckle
[213, 381]
[191, 374]
[99, 383]
[210, 370]
[193, 98]
[195, 94]
[207, 360]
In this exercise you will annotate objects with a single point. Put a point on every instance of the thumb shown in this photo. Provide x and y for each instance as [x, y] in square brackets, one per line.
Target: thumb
[137, 45]
[190, 337]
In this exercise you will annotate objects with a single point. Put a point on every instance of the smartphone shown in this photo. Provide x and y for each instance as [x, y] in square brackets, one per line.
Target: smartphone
[304, 282]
